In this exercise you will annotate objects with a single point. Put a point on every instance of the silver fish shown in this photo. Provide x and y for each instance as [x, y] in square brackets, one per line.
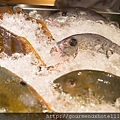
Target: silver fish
[71, 45]
[67, 15]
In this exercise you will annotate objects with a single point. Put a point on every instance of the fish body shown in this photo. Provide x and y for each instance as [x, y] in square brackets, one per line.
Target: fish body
[102, 85]
[11, 43]
[17, 96]
[87, 41]
[68, 15]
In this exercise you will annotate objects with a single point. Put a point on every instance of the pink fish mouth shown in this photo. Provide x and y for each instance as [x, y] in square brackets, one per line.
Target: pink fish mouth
[55, 51]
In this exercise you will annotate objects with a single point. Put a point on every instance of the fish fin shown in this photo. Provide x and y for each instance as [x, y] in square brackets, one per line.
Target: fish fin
[109, 53]
[101, 22]
[114, 24]
[100, 50]
[75, 54]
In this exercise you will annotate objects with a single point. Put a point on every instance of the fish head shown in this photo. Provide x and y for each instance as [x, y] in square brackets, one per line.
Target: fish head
[66, 47]
[63, 16]
[58, 18]
[74, 83]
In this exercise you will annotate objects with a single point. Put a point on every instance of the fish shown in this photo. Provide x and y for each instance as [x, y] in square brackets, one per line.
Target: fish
[18, 96]
[19, 10]
[65, 16]
[102, 85]
[36, 18]
[71, 45]
[11, 43]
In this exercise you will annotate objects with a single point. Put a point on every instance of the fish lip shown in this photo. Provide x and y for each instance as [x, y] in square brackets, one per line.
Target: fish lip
[53, 49]
[56, 85]
[59, 48]
[56, 48]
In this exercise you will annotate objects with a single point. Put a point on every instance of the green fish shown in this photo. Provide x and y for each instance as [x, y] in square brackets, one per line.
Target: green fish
[102, 85]
[17, 96]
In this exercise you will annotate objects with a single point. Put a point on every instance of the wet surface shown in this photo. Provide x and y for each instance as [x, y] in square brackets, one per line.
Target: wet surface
[17, 96]
[71, 45]
[102, 85]
[66, 15]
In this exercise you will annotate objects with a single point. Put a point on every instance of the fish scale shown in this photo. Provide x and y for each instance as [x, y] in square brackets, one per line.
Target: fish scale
[17, 96]
[74, 14]
[88, 41]
[103, 85]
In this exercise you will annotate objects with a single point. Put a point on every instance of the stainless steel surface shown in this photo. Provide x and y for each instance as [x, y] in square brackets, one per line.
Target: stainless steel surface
[36, 7]
[49, 7]
[41, 7]
[114, 16]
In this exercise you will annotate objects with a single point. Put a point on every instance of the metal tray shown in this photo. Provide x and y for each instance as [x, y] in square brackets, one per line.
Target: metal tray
[113, 16]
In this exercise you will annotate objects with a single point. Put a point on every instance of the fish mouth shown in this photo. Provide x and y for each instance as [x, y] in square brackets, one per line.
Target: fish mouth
[58, 50]
[57, 87]
[55, 49]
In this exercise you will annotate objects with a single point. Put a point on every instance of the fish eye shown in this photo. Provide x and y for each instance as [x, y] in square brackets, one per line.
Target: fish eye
[64, 13]
[72, 83]
[23, 83]
[73, 42]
